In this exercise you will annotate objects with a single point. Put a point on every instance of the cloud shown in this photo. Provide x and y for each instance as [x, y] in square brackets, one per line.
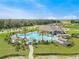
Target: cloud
[8, 12]
[70, 17]
[15, 13]
[40, 11]
[35, 3]
[18, 13]
[51, 17]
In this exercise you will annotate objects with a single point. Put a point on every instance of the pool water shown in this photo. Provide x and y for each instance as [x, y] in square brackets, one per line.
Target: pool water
[38, 37]
[35, 36]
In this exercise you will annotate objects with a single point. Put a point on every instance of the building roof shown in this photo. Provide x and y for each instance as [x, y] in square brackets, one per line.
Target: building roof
[50, 28]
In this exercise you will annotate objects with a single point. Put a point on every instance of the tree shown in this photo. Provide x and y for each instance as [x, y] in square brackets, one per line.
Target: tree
[25, 30]
[43, 33]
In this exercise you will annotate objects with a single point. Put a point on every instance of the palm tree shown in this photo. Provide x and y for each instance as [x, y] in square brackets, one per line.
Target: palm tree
[25, 30]
[43, 33]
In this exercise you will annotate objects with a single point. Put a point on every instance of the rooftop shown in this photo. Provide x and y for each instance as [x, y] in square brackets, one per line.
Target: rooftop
[51, 28]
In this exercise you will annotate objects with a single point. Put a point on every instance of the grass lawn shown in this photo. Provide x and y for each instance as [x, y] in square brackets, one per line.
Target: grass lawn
[73, 28]
[53, 49]
[7, 49]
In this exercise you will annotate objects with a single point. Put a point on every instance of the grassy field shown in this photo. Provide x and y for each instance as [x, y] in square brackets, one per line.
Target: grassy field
[8, 49]
[53, 49]
[73, 28]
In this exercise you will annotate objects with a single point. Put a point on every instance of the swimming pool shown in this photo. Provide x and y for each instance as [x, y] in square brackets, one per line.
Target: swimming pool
[35, 36]
[38, 37]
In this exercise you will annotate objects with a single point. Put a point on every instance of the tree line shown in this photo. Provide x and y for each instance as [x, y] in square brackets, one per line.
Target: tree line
[16, 23]
[75, 21]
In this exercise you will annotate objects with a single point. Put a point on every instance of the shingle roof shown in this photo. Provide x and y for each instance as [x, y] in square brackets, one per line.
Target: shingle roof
[50, 28]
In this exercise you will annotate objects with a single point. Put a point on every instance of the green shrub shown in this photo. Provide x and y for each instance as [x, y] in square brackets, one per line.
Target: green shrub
[75, 35]
[46, 42]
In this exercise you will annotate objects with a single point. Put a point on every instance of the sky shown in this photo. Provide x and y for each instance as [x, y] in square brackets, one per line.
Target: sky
[39, 9]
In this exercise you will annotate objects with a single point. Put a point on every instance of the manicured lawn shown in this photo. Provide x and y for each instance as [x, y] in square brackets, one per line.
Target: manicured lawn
[53, 49]
[73, 28]
[7, 49]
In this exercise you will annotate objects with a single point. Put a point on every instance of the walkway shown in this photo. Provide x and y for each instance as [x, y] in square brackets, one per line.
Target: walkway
[48, 57]
[58, 57]
[30, 52]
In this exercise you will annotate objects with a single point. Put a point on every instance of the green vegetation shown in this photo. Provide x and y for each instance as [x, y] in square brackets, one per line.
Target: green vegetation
[59, 49]
[17, 23]
[8, 49]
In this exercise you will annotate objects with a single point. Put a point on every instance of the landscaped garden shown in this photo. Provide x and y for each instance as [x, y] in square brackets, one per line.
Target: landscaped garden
[43, 48]
[7, 49]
